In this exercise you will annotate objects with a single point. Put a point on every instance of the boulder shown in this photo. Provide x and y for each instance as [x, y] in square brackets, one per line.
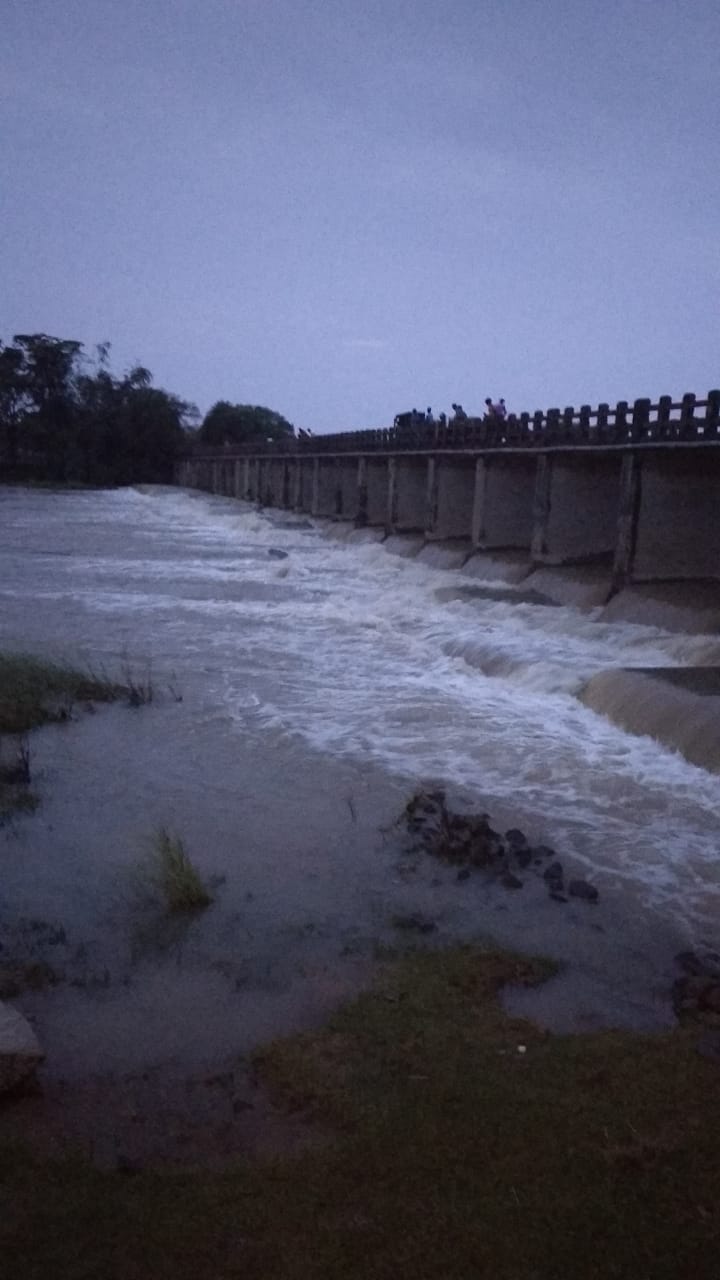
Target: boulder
[554, 875]
[20, 1051]
[516, 839]
[581, 889]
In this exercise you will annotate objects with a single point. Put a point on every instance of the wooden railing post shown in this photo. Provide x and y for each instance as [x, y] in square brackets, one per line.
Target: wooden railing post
[553, 426]
[664, 412]
[687, 416]
[621, 413]
[640, 419]
[712, 415]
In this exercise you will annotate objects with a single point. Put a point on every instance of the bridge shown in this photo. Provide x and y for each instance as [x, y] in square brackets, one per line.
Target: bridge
[633, 489]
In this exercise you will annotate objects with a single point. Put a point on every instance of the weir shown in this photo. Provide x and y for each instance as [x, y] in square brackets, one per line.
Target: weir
[633, 491]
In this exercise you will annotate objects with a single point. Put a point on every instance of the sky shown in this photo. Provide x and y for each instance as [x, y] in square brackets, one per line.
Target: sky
[344, 209]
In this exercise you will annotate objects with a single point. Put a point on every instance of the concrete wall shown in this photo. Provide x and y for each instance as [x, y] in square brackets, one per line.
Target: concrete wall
[275, 486]
[451, 497]
[678, 521]
[576, 507]
[408, 498]
[504, 492]
[326, 481]
[349, 488]
[376, 486]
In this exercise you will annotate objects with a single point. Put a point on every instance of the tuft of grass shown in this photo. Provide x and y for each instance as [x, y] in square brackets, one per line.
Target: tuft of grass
[138, 690]
[34, 692]
[15, 781]
[175, 876]
[15, 799]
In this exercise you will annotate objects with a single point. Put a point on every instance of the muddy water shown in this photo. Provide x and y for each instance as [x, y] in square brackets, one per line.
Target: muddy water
[304, 682]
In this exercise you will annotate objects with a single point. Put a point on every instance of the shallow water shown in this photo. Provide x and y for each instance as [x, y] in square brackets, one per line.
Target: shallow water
[317, 687]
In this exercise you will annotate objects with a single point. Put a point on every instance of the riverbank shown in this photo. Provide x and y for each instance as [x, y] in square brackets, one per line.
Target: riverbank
[442, 1138]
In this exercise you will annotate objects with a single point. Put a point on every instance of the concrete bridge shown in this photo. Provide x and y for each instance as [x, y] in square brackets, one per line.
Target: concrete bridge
[632, 490]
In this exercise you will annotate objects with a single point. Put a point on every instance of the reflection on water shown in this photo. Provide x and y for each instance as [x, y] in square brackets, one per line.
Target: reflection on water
[317, 687]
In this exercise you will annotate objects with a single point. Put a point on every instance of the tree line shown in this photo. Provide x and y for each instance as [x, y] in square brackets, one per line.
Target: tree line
[65, 417]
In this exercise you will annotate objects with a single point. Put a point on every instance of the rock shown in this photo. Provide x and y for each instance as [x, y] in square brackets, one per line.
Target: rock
[542, 851]
[553, 874]
[415, 923]
[463, 874]
[699, 963]
[581, 889]
[509, 881]
[16, 978]
[557, 895]
[523, 857]
[276, 554]
[20, 1052]
[516, 839]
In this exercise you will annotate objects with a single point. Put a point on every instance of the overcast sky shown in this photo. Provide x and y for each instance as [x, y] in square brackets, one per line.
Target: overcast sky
[346, 208]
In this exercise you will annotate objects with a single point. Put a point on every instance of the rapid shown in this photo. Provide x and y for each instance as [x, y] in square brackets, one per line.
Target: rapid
[306, 679]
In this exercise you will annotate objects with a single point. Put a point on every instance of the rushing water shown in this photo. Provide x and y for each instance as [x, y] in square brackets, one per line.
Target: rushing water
[305, 680]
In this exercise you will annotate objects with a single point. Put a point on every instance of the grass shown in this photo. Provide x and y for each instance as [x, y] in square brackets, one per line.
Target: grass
[34, 692]
[455, 1157]
[175, 876]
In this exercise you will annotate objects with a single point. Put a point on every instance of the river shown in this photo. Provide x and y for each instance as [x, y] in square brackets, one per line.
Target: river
[305, 680]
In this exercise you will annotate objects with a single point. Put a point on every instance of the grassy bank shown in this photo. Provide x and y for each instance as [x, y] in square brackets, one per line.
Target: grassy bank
[33, 693]
[464, 1144]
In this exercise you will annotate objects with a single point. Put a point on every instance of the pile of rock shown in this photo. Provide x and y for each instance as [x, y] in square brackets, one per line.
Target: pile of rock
[469, 841]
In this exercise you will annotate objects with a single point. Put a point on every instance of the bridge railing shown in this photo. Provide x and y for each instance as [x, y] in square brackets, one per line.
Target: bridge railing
[641, 422]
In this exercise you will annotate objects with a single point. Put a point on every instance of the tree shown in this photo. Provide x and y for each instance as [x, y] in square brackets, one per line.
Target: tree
[64, 418]
[12, 400]
[50, 367]
[229, 423]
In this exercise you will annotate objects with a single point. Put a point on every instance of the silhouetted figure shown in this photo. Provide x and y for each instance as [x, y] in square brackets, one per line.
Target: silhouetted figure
[429, 415]
[499, 409]
[442, 420]
[459, 414]
[489, 408]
